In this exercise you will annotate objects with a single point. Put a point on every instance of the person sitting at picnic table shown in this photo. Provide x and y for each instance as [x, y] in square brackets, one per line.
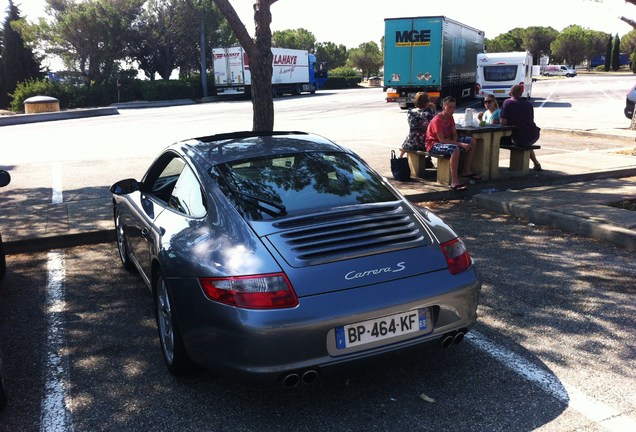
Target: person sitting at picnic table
[518, 112]
[418, 119]
[442, 140]
[491, 115]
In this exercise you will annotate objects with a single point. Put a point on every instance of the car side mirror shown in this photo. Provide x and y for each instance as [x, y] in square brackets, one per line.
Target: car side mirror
[5, 178]
[123, 187]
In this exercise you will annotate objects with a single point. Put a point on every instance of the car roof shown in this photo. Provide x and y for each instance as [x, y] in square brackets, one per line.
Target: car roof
[222, 148]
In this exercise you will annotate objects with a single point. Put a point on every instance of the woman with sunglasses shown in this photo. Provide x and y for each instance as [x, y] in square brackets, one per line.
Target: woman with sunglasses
[491, 115]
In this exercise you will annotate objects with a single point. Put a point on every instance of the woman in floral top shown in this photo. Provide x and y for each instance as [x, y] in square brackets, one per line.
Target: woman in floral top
[418, 118]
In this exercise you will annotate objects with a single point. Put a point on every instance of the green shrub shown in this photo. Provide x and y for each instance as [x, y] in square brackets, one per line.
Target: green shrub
[74, 95]
[168, 90]
[32, 88]
[344, 71]
[341, 82]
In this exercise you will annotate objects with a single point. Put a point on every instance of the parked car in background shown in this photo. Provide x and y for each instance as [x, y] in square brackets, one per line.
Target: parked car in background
[281, 254]
[559, 70]
[630, 100]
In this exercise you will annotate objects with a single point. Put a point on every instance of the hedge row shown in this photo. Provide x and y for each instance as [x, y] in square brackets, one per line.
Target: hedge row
[73, 95]
[80, 96]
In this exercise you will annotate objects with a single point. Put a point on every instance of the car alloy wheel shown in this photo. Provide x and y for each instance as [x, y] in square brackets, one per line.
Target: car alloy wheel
[174, 353]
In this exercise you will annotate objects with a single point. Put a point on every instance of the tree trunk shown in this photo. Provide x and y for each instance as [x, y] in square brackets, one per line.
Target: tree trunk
[259, 52]
[262, 98]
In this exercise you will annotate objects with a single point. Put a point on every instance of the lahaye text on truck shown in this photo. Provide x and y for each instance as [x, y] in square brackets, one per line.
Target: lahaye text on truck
[293, 72]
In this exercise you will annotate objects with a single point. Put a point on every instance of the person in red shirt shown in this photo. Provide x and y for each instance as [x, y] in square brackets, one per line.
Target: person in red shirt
[442, 140]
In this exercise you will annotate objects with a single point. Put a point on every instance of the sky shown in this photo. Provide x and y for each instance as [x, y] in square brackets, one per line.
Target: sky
[352, 22]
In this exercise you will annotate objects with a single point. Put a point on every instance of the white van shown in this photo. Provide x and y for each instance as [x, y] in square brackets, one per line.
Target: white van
[497, 72]
[559, 70]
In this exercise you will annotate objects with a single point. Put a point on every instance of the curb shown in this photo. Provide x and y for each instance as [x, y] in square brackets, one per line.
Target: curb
[45, 243]
[583, 227]
[57, 115]
[596, 133]
[511, 184]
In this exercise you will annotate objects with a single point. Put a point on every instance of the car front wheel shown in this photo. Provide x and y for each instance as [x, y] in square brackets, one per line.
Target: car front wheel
[122, 242]
[174, 353]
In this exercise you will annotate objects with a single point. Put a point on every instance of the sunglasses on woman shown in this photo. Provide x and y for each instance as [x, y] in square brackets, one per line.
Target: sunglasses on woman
[487, 101]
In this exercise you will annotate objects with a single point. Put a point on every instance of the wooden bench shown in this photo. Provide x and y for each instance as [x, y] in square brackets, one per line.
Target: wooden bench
[417, 163]
[519, 156]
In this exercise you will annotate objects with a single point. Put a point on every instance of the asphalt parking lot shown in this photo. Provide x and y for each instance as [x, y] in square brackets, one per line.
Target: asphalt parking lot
[557, 308]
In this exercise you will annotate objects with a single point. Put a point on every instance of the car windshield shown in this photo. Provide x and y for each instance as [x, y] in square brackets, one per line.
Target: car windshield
[276, 186]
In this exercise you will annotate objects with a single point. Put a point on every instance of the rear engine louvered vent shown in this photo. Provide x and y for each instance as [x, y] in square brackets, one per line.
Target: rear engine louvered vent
[349, 234]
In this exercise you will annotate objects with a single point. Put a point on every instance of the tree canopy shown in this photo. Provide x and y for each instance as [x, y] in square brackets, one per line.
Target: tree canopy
[17, 60]
[334, 55]
[294, 39]
[575, 44]
[366, 57]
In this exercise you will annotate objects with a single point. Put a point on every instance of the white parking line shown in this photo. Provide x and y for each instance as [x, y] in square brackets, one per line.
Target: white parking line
[56, 184]
[54, 416]
[550, 95]
[599, 412]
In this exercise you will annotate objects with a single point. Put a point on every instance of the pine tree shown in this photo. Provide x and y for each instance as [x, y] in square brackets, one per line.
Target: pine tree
[616, 53]
[18, 63]
[608, 54]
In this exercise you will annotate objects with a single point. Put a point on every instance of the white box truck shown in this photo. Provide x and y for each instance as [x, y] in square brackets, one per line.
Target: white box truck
[294, 71]
[497, 72]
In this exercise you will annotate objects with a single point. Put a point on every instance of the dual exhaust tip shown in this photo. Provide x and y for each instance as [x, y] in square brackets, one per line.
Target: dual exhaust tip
[307, 377]
[310, 376]
[452, 338]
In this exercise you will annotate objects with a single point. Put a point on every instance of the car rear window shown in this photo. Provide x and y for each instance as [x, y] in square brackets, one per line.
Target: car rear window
[276, 186]
[500, 73]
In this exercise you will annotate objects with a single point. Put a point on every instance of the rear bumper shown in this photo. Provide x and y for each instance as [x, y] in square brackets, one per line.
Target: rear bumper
[270, 344]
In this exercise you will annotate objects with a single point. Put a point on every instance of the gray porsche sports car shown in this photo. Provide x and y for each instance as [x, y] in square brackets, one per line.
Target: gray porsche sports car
[280, 254]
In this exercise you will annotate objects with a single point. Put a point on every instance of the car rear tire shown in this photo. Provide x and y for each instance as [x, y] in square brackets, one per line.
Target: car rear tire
[122, 243]
[172, 348]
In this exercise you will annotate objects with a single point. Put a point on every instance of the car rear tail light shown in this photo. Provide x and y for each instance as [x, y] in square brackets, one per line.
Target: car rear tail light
[457, 256]
[267, 291]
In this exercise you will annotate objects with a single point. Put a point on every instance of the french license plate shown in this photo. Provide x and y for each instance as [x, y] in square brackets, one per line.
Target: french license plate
[418, 320]
[499, 91]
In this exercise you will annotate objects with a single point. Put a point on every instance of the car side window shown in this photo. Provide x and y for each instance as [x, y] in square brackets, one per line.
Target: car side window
[187, 195]
[167, 171]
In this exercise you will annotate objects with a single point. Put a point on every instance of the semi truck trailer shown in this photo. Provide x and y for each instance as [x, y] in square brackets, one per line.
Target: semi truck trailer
[434, 54]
